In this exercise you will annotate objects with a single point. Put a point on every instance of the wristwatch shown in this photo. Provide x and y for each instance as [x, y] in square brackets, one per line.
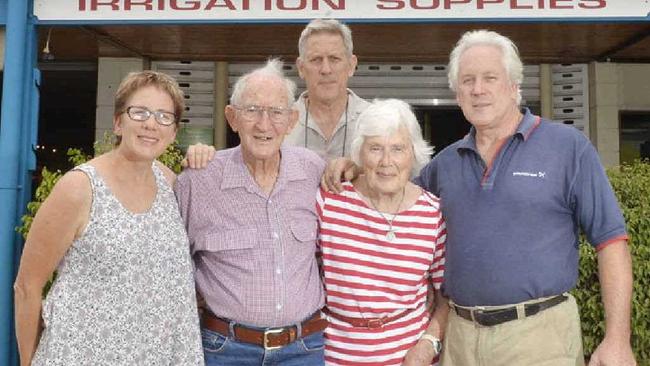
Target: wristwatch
[435, 342]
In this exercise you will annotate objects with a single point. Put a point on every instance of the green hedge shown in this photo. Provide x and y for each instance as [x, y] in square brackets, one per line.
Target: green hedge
[632, 186]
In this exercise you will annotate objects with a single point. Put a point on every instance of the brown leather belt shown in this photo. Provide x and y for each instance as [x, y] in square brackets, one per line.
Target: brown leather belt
[490, 318]
[271, 338]
[370, 323]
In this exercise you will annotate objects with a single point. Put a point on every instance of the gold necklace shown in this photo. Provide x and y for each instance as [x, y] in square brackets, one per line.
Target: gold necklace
[390, 234]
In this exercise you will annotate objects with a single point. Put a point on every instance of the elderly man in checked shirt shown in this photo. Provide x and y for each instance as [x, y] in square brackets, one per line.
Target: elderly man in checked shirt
[251, 219]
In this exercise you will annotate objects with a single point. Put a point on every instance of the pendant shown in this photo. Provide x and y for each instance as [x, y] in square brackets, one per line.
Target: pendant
[390, 235]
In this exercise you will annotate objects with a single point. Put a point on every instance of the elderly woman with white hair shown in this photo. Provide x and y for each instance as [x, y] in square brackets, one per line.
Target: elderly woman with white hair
[382, 243]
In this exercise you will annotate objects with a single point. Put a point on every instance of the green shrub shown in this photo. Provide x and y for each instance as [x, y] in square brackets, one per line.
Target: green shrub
[632, 186]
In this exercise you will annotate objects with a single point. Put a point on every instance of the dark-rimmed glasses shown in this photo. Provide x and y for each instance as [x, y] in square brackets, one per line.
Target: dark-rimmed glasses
[254, 113]
[142, 114]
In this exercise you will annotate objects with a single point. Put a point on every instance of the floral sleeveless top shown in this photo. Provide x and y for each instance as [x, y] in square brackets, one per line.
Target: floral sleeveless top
[124, 292]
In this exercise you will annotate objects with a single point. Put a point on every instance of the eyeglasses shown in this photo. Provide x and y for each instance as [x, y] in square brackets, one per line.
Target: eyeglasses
[254, 113]
[142, 114]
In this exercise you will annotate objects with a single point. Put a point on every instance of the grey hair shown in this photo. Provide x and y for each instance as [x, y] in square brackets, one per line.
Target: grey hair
[332, 26]
[385, 117]
[272, 68]
[510, 56]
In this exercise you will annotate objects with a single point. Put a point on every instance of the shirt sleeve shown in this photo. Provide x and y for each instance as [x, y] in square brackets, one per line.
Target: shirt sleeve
[595, 206]
[428, 177]
[182, 189]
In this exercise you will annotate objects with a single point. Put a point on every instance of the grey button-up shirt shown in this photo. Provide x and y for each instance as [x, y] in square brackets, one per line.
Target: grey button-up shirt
[309, 135]
[255, 255]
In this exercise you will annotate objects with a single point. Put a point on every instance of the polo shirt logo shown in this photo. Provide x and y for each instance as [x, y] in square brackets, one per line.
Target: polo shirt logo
[529, 174]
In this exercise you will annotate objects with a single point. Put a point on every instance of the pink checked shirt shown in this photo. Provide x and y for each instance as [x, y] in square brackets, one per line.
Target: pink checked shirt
[254, 255]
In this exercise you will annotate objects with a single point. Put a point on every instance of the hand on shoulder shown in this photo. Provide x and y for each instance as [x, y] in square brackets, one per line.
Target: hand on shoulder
[198, 156]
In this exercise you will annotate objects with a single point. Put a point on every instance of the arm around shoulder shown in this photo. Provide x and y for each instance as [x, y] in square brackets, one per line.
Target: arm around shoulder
[59, 221]
[615, 274]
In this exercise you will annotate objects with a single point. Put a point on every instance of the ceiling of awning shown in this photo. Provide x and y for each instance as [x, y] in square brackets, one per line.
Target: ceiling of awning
[391, 42]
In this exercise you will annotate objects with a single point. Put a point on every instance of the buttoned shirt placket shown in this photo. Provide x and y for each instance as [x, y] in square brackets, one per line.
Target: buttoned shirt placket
[273, 211]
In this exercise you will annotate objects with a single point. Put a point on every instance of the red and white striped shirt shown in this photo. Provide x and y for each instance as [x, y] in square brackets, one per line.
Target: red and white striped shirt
[367, 276]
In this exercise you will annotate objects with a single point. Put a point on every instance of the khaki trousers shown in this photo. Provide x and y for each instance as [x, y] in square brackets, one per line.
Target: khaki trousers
[549, 338]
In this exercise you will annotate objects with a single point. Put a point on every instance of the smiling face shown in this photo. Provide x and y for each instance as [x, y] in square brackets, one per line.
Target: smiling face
[485, 93]
[260, 137]
[326, 67]
[387, 161]
[148, 139]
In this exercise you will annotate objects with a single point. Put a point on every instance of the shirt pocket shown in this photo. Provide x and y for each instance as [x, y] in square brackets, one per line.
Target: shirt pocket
[304, 230]
[229, 241]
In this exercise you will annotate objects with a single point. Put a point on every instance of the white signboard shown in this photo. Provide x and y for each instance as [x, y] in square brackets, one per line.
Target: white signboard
[282, 10]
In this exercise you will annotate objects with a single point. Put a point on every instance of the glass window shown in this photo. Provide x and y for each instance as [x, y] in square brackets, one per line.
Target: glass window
[635, 136]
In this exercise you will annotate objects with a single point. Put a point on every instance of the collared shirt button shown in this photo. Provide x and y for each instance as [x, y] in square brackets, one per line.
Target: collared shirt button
[278, 270]
[275, 235]
[278, 306]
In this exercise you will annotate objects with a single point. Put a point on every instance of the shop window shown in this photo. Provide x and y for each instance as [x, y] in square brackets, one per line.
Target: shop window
[635, 136]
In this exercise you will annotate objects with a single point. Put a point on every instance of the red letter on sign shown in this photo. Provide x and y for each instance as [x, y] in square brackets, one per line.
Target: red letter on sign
[341, 4]
[129, 3]
[449, 2]
[213, 4]
[480, 4]
[596, 4]
[554, 5]
[434, 4]
[112, 3]
[193, 5]
[514, 5]
[399, 4]
[281, 6]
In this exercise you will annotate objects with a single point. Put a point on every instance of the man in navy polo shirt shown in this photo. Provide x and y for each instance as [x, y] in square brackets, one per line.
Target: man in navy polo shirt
[515, 192]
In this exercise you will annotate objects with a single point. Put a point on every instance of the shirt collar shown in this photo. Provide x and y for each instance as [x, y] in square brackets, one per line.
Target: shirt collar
[527, 125]
[236, 174]
[525, 128]
[356, 105]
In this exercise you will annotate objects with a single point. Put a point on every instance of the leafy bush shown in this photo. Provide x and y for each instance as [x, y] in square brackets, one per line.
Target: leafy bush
[632, 186]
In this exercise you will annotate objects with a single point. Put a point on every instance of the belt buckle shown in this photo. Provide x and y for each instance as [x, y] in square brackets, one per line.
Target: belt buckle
[375, 323]
[475, 313]
[265, 339]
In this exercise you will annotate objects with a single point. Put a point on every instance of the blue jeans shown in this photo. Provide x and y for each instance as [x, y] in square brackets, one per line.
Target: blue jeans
[220, 350]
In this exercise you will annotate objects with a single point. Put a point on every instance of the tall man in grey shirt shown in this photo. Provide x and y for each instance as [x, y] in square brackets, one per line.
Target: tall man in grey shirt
[328, 109]
[251, 220]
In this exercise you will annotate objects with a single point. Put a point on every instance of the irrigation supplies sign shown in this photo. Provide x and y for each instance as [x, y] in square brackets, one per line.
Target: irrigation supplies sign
[283, 10]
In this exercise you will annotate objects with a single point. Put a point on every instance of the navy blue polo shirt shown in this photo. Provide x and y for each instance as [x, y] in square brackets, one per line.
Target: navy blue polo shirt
[512, 227]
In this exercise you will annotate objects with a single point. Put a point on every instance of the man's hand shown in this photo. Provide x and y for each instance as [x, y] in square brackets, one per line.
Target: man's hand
[198, 156]
[419, 355]
[338, 170]
[613, 353]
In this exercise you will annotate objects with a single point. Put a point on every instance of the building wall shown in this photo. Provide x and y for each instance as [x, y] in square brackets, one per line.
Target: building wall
[634, 87]
[614, 87]
[110, 72]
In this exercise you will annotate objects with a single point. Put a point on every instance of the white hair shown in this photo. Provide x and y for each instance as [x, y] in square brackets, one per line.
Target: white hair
[510, 56]
[331, 26]
[384, 118]
[272, 68]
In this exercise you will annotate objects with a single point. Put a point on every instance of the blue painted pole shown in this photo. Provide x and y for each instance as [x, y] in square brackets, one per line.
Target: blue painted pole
[29, 134]
[11, 120]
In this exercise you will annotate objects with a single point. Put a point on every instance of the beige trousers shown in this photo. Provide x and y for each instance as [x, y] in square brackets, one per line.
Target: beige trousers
[549, 338]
